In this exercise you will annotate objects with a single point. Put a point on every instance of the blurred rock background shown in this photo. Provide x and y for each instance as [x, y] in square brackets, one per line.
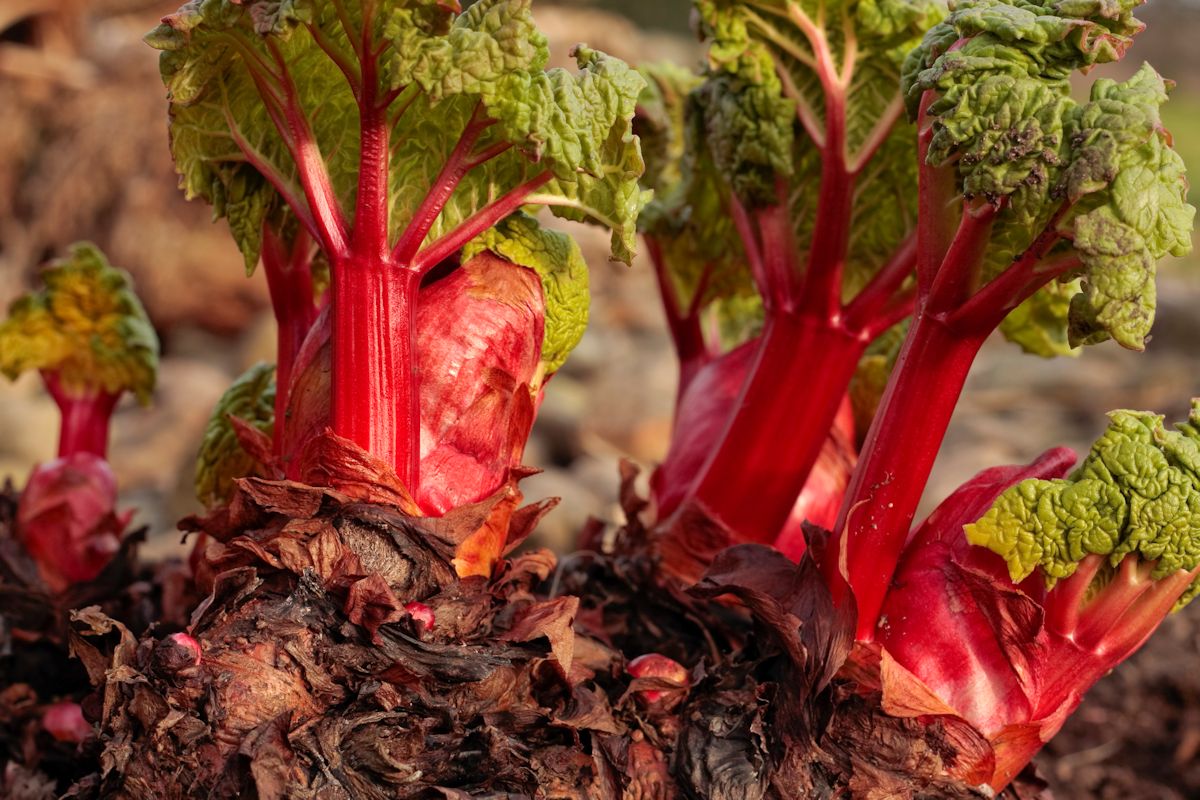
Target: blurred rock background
[83, 155]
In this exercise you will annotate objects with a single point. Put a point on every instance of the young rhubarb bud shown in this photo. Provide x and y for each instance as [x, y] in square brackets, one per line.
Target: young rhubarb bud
[657, 666]
[64, 721]
[421, 614]
[178, 652]
[67, 519]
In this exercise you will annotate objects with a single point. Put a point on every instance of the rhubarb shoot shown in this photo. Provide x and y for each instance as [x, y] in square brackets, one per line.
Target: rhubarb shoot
[90, 338]
[394, 136]
[1061, 210]
[1082, 569]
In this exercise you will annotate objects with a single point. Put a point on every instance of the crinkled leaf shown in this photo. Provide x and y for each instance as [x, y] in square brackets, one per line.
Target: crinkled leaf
[1048, 39]
[582, 125]
[1102, 173]
[250, 398]
[1137, 492]
[689, 220]
[466, 56]
[224, 61]
[1130, 189]
[86, 326]
[748, 132]
[1118, 294]
[576, 125]
[557, 260]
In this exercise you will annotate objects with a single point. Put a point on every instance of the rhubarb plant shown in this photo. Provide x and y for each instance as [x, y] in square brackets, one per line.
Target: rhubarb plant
[799, 217]
[783, 230]
[1030, 203]
[89, 337]
[398, 147]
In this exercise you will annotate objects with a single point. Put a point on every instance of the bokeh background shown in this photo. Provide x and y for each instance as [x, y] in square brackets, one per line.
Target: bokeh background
[83, 155]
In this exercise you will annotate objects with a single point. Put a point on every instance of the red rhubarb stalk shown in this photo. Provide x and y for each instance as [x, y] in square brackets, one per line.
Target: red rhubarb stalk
[85, 418]
[289, 280]
[896, 459]
[375, 387]
[779, 425]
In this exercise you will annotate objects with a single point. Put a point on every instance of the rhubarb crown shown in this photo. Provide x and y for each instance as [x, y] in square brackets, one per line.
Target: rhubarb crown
[86, 327]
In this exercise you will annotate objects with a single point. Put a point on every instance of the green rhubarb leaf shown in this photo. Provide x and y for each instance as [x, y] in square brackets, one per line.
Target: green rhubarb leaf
[557, 260]
[763, 110]
[581, 126]
[1101, 174]
[469, 54]
[1130, 209]
[251, 398]
[214, 51]
[1119, 292]
[1049, 40]
[688, 221]
[86, 326]
[748, 131]
[238, 70]
[1136, 493]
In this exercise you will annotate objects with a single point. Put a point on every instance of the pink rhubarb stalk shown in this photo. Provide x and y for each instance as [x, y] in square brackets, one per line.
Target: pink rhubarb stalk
[289, 279]
[85, 417]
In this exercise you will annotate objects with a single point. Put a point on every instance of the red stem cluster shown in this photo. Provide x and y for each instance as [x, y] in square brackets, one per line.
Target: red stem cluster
[812, 339]
[375, 394]
[953, 317]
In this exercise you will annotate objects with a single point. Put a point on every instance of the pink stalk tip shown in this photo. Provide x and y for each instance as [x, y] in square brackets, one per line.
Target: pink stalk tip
[64, 721]
[178, 652]
[421, 614]
[655, 665]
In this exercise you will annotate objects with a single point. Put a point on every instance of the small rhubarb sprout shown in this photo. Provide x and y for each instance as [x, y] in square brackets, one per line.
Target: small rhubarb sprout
[656, 665]
[178, 652]
[64, 721]
[421, 614]
[90, 338]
